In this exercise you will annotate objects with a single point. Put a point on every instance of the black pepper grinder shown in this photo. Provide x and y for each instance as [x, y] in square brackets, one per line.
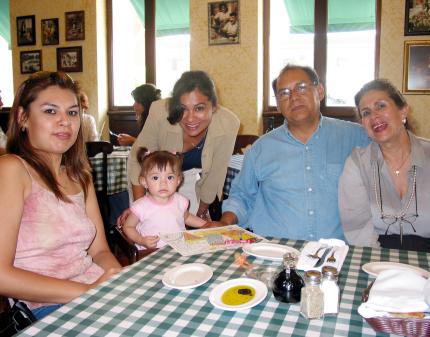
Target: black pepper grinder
[287, 285]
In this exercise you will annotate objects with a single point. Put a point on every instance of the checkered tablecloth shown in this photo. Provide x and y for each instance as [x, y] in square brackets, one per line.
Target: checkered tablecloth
[136, 303]
[117, 171]
[233, 169]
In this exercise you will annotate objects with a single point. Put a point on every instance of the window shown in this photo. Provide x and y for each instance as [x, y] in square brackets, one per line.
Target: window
[6, 78]
[336, 37]
[144, 50]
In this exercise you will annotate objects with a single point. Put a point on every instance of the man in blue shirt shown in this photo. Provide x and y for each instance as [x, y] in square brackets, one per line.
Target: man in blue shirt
[288, 184]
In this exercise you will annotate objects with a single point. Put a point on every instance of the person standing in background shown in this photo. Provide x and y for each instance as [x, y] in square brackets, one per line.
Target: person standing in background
[89, 128]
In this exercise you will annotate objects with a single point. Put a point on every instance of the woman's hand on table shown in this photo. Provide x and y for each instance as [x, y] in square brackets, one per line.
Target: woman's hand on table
[106, 275]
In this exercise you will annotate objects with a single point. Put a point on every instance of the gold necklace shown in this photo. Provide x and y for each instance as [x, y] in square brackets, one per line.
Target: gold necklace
[397, 172]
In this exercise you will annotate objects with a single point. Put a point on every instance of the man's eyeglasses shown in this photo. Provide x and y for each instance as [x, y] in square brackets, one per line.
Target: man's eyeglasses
[285, 94]
[402, 217]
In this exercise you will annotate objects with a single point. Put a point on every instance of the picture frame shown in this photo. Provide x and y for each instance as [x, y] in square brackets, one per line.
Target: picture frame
[26, 30]
[50, 31]
[75, 25]
[223, 22]
[69, 59]
[417, 17]
[416, 67]
[30, 61]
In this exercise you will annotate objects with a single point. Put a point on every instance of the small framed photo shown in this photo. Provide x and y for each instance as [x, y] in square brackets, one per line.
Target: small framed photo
[416, 67]
[224, 22]
[30, 61]
[69, 59]
[26, 30]
[75, 26]
[417, 17]
[50, 34]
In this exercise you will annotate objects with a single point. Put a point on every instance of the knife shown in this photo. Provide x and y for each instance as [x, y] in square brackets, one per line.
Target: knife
[321, 260]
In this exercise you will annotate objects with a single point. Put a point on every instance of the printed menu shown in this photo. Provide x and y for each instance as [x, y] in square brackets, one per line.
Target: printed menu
[199, 241]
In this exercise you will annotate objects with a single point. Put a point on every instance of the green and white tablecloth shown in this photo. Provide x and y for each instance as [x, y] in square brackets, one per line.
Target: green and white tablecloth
[136, 303]
[117, 171]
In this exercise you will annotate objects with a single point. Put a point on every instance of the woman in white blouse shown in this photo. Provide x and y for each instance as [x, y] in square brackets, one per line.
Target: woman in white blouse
[384, 191]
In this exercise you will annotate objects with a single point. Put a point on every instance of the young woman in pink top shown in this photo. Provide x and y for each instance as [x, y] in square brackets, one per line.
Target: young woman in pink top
[162, 209]
[53, 246]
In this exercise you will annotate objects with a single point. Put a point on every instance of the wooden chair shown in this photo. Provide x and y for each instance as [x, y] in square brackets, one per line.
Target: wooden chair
[127, 247]
[242, 141]
[105, 148]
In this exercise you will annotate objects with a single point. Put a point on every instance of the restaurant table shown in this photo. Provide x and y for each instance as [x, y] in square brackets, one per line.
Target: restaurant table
[233, 169]
[117, 170]
[136, 303]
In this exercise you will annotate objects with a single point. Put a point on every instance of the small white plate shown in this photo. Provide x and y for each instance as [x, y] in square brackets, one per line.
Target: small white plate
[215, 296]
[269, 251]
[187, 276]
[374, 268]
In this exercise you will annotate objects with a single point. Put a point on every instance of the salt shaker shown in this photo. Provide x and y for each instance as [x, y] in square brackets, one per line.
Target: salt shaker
[312, 297]
[330, 289]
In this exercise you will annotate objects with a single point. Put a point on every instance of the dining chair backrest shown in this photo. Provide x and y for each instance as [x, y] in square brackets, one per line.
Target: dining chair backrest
[242, 141]
[93, 148]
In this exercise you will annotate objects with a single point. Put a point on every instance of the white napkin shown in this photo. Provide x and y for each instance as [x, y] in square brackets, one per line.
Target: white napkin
[339, 247]
[395, 290]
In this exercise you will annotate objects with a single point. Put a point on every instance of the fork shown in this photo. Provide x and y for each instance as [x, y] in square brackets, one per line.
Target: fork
[331, 258]
[315, 255]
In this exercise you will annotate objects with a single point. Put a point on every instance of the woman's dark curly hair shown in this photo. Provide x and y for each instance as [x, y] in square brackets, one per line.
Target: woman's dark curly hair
[190, 81]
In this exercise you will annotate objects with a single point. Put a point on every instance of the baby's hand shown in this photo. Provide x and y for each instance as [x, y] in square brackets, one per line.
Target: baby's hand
[150, 241]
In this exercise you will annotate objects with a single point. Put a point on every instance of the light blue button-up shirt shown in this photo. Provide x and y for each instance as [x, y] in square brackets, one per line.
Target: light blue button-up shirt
[289, 189]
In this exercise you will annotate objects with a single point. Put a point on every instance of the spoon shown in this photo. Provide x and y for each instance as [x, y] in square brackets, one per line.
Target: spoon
[331, 258]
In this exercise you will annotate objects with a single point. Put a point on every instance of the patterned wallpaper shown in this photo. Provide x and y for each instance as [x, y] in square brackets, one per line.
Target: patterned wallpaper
[94, 76]
[235, 68]
[391, 60]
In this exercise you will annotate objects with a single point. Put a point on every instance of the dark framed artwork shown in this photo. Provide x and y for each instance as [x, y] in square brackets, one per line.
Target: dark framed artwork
[26, 30]
[75, 26]
[417, 17]
[223, 22]
[416, 67]
[30, 61]
[69, 59]
[50, 33]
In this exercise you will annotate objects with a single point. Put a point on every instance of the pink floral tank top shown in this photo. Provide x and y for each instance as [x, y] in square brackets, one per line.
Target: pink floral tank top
[54, 237]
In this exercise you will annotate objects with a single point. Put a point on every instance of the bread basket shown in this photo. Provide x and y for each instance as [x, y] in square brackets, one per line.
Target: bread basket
[416, 327]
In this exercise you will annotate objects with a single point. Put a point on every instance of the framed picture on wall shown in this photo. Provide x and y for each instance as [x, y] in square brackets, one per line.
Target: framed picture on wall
[69, 59]
[223, 22]
[416, 67]
[75, 26]
[30, 61]
[50, 34]
[26, 30]
[417, 17]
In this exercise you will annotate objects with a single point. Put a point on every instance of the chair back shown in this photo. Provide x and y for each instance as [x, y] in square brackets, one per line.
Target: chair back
[242, 141]
[105, 148]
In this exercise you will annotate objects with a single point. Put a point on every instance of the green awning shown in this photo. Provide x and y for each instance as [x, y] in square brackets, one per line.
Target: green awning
[5, 21]
[171, 17]
[343, 15]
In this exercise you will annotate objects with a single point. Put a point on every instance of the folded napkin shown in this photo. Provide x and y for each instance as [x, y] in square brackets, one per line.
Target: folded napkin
[338, 246]
[395, 290]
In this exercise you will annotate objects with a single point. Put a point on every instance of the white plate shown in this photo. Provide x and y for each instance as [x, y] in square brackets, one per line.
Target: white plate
[187, 276]
[216, 294]
[269, 251]
[374, 268]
